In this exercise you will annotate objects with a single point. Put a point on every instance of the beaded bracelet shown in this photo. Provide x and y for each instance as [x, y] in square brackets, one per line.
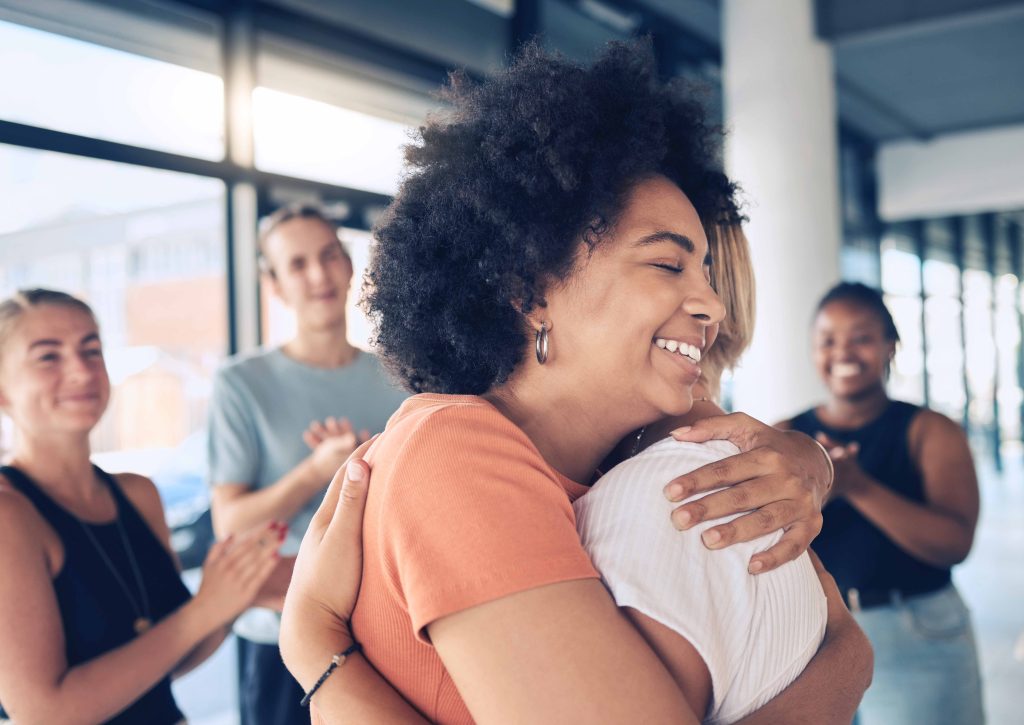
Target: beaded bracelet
[336, 661]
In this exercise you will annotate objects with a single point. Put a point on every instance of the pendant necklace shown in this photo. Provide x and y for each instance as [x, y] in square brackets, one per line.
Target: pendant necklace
[635, 448]
[143, 619]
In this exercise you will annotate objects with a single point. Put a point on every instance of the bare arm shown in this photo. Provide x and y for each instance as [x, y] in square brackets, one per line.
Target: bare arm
[145, 497]
[36, 682]
[237, 506]
[314, 624]
[555, 654]
[939, 531]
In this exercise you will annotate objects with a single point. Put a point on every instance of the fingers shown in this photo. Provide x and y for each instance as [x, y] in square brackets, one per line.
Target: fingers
[738, 428]
[218, 549]
[794, 542]
[311, 439]
[765, 520]
[348, 518]
[725, 472]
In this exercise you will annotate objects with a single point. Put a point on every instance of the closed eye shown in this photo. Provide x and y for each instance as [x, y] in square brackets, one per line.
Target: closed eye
[669, 268]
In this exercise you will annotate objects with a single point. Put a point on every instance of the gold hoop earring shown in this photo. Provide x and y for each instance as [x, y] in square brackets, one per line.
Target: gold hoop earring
[541, 343]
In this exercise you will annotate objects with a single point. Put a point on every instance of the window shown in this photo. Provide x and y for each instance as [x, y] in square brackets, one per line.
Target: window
[146, 249]
[300, 137]
[77, 87]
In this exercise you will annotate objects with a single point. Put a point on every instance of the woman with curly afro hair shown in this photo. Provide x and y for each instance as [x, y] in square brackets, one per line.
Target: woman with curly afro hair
[542, 280]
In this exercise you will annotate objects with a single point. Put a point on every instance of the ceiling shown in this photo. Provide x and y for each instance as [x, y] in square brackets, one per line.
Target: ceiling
[908, 68]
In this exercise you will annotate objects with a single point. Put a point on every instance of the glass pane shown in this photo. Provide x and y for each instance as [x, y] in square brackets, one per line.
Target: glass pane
[146, 249]
[907, 379]
[309, 139]
[941, 278]
[277, 321]
[945, 362]
[980, 345]
[1008, 339]
[77, 87]
[901, 271]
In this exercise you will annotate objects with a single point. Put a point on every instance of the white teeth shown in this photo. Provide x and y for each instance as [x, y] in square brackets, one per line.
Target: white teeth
[685, 349]
[845, 370]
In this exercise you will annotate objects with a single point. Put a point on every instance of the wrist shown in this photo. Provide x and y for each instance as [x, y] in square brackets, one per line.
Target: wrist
[309, 656]
[311, 478]
[202, 616]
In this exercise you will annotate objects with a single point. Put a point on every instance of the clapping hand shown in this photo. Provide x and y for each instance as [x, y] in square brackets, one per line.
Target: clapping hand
[332, 442]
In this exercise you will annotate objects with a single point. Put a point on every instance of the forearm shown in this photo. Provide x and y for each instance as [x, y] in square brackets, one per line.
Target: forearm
[100, 688]
[201, 652]
[280, 501]
[357, 693]
[936, 537]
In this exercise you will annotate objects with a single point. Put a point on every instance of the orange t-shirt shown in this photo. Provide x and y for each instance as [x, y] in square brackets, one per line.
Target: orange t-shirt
[462, 510]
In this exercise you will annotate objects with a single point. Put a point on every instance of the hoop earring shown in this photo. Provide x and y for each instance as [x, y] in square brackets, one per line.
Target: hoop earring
[541, 343]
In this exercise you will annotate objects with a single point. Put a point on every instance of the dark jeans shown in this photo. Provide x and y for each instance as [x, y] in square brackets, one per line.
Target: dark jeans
[267, 693]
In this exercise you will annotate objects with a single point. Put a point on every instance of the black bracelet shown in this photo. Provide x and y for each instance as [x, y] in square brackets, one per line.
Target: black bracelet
[336, 661]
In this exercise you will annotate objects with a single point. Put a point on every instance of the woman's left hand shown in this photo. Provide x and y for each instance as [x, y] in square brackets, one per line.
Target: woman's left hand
[781, 478]
[328, 571]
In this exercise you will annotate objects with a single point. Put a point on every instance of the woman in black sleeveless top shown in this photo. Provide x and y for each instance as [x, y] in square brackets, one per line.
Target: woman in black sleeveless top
[903, 512]
[94, 618]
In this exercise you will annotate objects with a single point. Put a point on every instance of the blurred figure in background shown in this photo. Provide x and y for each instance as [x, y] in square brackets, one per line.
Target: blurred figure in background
[94, 617]
[277, 435]
[903, 512]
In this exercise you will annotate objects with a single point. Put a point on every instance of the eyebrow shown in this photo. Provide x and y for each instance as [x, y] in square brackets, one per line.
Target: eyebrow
[47, 342]
[667, 236]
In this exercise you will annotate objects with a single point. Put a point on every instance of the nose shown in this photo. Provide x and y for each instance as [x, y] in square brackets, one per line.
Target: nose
[705, 306]
[78, 368]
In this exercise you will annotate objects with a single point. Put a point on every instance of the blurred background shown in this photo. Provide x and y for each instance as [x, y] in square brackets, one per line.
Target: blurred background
[876, 141]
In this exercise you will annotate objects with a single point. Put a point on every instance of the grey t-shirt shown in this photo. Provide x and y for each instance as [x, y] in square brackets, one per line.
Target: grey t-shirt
[262, 403]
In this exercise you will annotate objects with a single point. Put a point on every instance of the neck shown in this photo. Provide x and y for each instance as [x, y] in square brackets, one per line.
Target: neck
[854, 411]
[58, 463]
[322, 348]
[572, 437]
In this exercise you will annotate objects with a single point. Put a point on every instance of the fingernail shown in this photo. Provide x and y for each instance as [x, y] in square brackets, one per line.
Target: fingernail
[755, 566]
[355, 473]
[674, 492]
[681, 431]
[682, 519]
[711, 537]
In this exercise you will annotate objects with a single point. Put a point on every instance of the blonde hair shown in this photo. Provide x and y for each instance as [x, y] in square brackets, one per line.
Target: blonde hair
[12, 309]
[732, 276]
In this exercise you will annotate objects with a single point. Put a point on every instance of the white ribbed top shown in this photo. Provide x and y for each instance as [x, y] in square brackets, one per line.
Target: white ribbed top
[755, 633]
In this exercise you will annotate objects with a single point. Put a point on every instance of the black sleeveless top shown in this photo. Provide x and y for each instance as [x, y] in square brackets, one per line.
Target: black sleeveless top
[96, 613]
[853, 549]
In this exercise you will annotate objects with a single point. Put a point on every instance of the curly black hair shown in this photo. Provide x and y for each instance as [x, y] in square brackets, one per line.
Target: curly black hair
[502, 189]
[869, 298]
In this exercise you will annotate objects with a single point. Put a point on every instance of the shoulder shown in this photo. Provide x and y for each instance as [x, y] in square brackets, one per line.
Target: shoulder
[931, 430]
[244, 365]
[145, 497]
[21, 525]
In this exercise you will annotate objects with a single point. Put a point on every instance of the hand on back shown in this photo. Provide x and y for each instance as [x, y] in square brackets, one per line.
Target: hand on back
[780, 480]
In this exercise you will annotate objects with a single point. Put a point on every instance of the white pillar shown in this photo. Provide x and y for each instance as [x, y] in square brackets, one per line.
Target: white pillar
[782, 148]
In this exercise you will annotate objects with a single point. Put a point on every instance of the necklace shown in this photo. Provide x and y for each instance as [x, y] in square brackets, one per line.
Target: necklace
[143, 620]
[635, 448]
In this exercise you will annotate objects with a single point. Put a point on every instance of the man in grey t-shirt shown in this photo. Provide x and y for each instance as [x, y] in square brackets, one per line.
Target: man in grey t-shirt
[282, 421]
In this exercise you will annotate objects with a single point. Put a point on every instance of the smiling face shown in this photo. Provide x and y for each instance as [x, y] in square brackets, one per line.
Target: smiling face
[52, 375]
[851, 350]
[632, 321]
[310, 271]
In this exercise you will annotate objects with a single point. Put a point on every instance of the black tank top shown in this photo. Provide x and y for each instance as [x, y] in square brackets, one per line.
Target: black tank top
[853, 549]
[96, 613]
